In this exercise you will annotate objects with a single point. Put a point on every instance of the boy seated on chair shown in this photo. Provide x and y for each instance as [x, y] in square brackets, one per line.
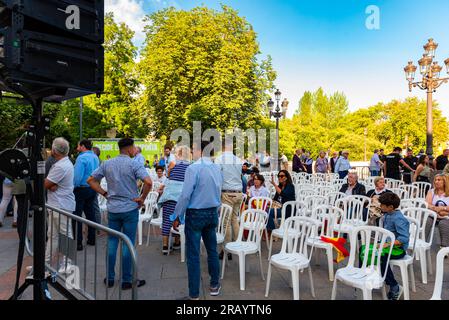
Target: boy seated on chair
[393, 220]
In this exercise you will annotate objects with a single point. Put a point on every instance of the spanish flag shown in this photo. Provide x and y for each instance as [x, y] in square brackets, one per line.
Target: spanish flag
[339, 246]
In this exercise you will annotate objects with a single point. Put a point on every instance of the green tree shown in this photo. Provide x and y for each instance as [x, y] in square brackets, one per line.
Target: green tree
[118, 106]
[201, 65]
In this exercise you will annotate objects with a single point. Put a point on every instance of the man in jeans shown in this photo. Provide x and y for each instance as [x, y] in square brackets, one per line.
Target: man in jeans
[123, 203]
[200, 201]
[231, 194]
[86, 198]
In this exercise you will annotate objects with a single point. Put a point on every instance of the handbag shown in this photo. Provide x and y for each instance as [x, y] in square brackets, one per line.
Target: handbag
[374, 211]
[397, 251]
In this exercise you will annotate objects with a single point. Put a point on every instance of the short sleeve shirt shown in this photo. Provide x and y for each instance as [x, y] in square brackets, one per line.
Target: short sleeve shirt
[121, 174]
[61, 174]
[393, 161]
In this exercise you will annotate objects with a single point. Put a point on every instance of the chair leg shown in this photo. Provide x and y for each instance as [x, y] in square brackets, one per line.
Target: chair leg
[330, 263]
[139, 231]
[429, 260]
[423, 261]
[267, 287]
[148, 233]
[384, 292]
[295, 282]
[412, 277]
[312, 287]
[367, 294]
[334, 290]
[261, 267]
[405, 282]
[183, 248]
[242, 271]
[223, 265]
[266, 239]
[270, 248]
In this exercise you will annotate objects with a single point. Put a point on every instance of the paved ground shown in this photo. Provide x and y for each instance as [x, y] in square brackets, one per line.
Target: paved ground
[166, 276]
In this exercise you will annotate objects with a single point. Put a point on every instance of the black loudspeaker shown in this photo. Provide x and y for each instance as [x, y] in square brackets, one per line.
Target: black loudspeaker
[52, 49]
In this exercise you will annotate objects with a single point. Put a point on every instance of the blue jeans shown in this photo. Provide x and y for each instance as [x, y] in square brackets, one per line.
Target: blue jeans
[375, 173]
[125, 222]
[343, 174]
[85, 202]
[201, 223]
[270, 224]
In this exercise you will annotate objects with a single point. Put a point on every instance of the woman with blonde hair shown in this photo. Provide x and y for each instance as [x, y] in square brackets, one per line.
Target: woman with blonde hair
[438, 201]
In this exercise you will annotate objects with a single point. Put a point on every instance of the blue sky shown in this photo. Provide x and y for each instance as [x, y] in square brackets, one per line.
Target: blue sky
[326, 43]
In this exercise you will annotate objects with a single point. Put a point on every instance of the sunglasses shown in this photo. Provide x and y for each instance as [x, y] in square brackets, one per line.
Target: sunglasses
[282, 176]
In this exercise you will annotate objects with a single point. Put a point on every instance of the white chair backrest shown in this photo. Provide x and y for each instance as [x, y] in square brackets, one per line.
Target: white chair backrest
[422, 215]
[314, 201]
[334, 196]
[412, 191]
[297, 232]
[439, 274]
[156, 185]
[328, 217]
[375, 237]
[262, 203]
[242, 204]
[392, 183]
[224, 218]
[152, 197]
[414, 234]
[366, 200]
[352, 208]
[423, 188]
[413, 203]
[324, 190]
[296, 208]
[255, 221]
[303, 194]
[401, 193]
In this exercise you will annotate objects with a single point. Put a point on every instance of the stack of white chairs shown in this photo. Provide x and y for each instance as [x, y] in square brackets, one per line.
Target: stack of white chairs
[295, 254]
[146, 214]
[368, 276]
[256, 221]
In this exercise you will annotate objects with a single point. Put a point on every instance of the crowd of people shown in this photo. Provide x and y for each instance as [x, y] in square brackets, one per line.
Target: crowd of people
[192, 191]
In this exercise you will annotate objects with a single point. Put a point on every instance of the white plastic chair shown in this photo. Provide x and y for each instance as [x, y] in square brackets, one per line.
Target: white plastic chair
[261, 203]
[401, 193]
[295, 254]
[423, 188]
[412, 190]
[406, 262]
[313, 202]
[297, 208]
[334, 196]
[223, 222]
[422, 244]
[182, 239]
[324, 190]
[439, 273]
[393, 183]
[156, 186]
[155, 222]
[257, 220]
[327, 217]
[146, 214]
[353, 214]
[102, 204]
[301, 195]
[413, 203]
[368, 276]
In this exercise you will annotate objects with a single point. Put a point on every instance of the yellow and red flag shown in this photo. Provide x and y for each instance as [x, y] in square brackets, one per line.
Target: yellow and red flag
[339, 246]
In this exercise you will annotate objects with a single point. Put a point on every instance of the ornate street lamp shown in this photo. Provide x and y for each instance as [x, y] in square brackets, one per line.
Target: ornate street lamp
[431, 80]
[277, 114]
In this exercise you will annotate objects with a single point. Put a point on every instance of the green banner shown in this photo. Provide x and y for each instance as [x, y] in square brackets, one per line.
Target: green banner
[109, 149]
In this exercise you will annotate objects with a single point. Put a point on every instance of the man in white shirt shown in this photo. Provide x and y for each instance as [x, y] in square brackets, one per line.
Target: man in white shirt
[170, 160]
[59, 185]
[231, 194]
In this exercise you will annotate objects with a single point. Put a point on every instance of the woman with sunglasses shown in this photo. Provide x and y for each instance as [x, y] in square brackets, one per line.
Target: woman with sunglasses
[285, 192]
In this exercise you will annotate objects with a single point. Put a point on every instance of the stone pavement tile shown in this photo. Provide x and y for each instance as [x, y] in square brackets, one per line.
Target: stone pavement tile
[8, 278]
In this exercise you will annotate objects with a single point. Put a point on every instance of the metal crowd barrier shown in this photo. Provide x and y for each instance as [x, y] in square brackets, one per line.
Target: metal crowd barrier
[81, 273]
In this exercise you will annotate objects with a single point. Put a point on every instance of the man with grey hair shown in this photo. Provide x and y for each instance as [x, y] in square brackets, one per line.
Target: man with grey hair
[59, 186]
